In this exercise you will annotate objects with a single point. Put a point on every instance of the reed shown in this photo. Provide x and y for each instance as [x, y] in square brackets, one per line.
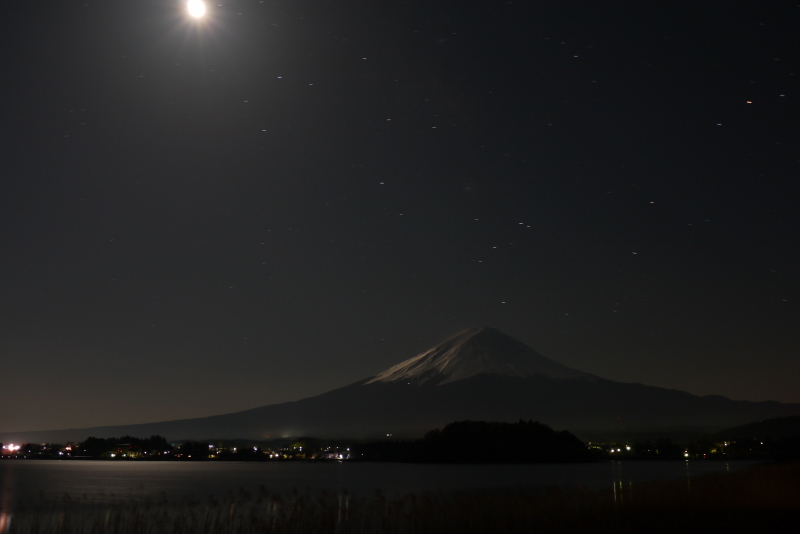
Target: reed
[763, 498]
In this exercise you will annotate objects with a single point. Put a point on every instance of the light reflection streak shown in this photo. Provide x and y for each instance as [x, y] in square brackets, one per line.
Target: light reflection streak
[6, 500]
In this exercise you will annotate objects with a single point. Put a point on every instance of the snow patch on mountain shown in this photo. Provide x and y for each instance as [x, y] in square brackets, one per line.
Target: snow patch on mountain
[477, 350]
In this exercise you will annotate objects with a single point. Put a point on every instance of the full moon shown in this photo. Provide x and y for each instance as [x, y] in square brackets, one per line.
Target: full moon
[196, 8]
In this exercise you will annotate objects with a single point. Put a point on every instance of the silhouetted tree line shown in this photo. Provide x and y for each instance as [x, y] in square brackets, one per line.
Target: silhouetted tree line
[783, 449]
[662, 448]
[459, 442]
[40, 451]
[125, 446]
[483, 442]
[704, 448]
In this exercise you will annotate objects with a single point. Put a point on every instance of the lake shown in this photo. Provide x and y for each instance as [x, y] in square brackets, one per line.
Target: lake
[24, 481]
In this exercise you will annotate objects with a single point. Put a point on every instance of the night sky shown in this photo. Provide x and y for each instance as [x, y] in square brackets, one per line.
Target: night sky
[204, 216]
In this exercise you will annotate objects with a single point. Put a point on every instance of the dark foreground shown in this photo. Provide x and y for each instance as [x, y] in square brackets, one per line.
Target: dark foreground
[763, 499]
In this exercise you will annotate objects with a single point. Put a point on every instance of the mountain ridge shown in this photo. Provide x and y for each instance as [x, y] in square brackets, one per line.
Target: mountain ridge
[478, 374]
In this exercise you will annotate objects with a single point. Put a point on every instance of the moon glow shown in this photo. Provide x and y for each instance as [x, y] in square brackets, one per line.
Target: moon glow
[196, 8]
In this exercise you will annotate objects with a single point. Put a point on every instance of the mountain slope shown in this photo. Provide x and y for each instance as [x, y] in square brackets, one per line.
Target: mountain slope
[477, 350]
[782, 427]
[479, 374]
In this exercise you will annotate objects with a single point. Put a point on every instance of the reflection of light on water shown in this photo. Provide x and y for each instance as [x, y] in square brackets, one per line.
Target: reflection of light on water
[6, 498]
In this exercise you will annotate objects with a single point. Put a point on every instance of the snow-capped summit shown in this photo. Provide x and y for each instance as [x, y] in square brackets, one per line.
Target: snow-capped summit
[477, 350]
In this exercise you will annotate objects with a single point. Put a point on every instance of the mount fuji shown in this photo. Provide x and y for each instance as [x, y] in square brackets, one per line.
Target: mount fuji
[479, 374]
[476, 351]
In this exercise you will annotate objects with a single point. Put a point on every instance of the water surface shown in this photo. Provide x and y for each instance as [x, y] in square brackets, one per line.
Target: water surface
[25, 481]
